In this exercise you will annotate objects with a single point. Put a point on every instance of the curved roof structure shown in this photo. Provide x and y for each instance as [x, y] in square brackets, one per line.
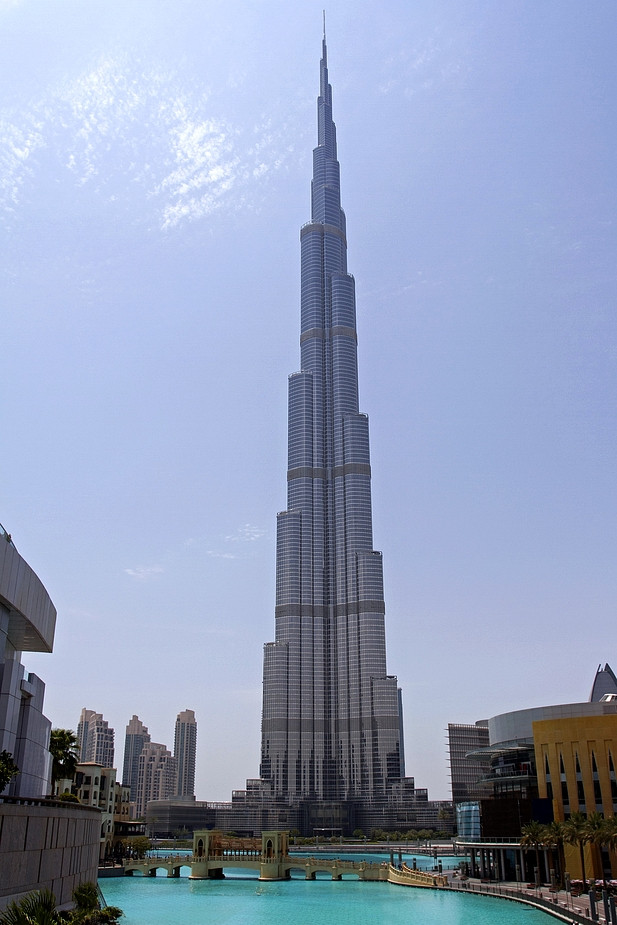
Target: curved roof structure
[31, 613]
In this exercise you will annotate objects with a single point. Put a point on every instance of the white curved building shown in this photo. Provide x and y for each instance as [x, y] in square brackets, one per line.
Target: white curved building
[27, 624]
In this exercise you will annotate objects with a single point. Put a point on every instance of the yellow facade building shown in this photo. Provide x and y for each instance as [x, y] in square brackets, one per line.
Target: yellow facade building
[576, 764]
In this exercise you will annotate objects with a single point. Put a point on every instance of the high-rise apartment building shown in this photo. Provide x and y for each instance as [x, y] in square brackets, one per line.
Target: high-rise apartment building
[136, 737]
[331, 726]
[156, 777]
[185, 751]
[96, 739]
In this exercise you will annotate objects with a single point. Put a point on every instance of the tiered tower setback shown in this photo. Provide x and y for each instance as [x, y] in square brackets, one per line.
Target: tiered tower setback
[331, 726]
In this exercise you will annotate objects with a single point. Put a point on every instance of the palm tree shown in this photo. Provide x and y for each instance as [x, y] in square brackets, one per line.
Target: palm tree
[63, 746]
[602, 832]
[577, 833]
[34, 909]
[596, 829]
[554, 835]
[88, 909]
[532, 836]
[39, 908]
[610, 833]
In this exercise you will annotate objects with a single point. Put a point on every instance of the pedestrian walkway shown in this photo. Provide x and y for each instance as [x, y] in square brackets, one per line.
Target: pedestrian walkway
[565, 905]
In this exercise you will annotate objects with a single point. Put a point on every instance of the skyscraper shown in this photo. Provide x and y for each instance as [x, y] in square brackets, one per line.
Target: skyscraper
[331, 726]
[156, 775]
[136, 737]
[96, 739]
[185, 750]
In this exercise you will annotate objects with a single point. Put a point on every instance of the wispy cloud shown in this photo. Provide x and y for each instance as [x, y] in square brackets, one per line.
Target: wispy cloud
[431, 64]
[143, 573]
[127, 131]
[247, 533]
[244, 535]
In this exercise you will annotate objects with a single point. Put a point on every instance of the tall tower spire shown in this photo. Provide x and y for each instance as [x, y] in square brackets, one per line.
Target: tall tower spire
[330, 724]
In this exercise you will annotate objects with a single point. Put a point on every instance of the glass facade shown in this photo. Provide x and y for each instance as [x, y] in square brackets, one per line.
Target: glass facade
[468, 771]
[331, 728]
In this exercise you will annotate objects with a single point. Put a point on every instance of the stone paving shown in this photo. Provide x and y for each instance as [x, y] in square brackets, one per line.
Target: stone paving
[561, 901]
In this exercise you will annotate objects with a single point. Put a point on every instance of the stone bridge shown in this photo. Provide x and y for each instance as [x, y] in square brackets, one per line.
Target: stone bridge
[212, 869]
[269, 856]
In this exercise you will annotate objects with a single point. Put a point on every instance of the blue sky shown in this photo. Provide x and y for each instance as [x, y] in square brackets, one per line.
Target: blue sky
[154, 172]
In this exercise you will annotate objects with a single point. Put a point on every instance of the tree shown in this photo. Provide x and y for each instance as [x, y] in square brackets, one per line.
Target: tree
[34, 909]
[532, 836]
[610, 833]
[576, 832]
[601, 832]
[39, 908]
[554, 836]
[137, 845]
[88, 910]
[8, 769]
[63, 746]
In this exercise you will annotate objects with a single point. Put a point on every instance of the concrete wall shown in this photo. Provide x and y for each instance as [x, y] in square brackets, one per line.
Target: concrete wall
[45, 844]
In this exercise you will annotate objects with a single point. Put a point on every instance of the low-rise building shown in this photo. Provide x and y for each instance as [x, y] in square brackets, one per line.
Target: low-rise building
[546, 763]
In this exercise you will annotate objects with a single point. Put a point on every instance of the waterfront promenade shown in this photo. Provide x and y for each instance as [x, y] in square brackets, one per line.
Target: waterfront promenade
[565, 906]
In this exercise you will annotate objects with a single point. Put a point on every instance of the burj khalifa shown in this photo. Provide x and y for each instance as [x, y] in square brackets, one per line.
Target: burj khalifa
[331, 722]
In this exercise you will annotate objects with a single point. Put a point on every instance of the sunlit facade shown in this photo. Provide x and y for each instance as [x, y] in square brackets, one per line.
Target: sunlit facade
[331, 727]
[96, 739]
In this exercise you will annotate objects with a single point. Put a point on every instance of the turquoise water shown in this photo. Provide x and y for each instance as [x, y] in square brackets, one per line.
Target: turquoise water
[248, 901]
